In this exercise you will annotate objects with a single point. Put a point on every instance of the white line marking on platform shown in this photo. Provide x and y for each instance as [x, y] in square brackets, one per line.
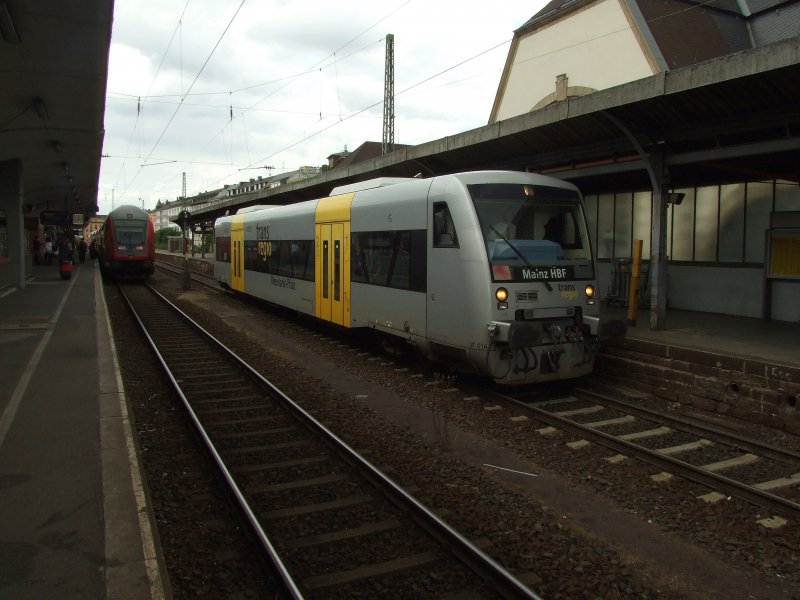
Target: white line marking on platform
[16, 398]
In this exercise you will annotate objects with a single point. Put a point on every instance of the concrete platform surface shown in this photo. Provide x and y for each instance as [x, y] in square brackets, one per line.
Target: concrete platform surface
[75, 522]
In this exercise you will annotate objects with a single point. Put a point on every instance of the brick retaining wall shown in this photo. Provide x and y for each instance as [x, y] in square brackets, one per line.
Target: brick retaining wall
[749, 389]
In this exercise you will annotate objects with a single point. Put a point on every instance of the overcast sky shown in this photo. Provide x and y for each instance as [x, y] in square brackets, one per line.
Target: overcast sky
[302, 80]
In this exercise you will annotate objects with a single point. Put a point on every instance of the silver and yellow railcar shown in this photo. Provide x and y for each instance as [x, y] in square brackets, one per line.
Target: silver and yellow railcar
[486, 271]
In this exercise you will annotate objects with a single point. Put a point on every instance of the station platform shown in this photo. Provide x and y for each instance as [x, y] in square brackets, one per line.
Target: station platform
[75, 521]
[776, 342]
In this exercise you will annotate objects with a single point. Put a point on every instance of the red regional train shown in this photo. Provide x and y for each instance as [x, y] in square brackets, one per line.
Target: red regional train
[127, 244]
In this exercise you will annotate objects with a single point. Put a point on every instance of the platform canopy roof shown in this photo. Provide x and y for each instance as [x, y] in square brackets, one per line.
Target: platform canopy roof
[53, 72]
[730, 119]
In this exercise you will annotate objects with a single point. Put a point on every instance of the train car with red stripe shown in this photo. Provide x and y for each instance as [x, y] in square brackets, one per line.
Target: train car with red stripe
[126, 244]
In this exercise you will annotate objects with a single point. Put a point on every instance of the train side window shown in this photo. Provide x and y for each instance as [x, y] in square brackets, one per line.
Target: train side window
[370, 256]
[285, 258]
[391, 258]
[444, 231]
[400, 266]
[223, 247]
[358, 271]
[299, 254]
[274, 258]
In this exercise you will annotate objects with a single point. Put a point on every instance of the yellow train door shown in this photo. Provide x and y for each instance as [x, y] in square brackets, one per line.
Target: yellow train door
[237, 254]
[332, 259]
[332, 273]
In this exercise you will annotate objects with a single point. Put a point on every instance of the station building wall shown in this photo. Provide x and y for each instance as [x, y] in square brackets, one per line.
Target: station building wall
[716, 245]
[597, 46]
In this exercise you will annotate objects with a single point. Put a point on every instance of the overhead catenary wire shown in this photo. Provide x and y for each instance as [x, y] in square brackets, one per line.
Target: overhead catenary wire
[152, 82]
[137, 122]
[442, 72]
[336, 59]
[289, 80]
[202, 68]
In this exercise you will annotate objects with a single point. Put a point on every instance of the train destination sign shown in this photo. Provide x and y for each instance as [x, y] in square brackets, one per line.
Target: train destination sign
[533, 273]
[545, 273]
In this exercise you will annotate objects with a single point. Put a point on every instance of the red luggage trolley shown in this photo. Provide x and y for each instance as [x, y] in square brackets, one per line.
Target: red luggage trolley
[65, 269]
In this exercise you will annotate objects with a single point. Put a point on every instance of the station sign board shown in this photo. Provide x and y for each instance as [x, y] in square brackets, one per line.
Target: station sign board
[56, 217]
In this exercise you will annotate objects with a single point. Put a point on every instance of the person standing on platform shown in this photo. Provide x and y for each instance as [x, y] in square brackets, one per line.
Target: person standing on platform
[37, 246]
[64, 250]
[48, 251]
[82, 250]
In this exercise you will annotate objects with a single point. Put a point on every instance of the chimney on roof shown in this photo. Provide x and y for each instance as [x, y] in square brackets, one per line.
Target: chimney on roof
[337, 157]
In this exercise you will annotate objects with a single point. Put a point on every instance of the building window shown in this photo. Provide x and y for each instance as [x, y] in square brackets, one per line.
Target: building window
[623, 224]
[605, 226]
[757, 209]
[714, 224]
[731, 223]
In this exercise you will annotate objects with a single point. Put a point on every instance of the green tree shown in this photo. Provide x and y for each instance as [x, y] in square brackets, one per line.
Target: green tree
[163, 233]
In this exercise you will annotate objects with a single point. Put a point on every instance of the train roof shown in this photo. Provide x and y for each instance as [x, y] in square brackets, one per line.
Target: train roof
[248, 209]
[129, 210]
[369, 184]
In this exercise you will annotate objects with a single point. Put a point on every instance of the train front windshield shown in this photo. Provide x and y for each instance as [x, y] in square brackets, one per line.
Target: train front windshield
[532, 232]
[130, 232]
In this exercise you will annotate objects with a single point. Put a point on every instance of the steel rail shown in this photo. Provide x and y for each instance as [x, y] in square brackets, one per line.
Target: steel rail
[289, 584]
[503, 582]
[687, 471]
[698, 428]
[195, 275]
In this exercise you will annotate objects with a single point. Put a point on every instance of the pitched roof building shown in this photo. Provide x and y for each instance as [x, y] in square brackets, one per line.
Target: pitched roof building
[366, 151]
[576, 47]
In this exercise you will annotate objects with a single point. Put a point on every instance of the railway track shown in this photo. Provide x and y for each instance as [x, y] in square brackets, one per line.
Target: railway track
[196, 276]
[727, 463]
[330, 523]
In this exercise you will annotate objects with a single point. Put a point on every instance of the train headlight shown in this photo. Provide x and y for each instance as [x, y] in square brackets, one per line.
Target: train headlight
[502, 298]
[589, 290]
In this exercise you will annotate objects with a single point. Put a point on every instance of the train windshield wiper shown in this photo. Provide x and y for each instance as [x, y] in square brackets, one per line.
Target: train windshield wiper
[525, 260]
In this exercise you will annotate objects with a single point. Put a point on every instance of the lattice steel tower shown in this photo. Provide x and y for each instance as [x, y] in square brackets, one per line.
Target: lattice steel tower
[388, 98]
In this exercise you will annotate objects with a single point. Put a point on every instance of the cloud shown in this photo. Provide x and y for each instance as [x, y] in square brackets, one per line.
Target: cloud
[302, 79]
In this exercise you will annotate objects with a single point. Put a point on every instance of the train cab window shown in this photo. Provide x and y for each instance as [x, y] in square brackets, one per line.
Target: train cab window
[526, 225]
[130, 231]
[444, 231]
